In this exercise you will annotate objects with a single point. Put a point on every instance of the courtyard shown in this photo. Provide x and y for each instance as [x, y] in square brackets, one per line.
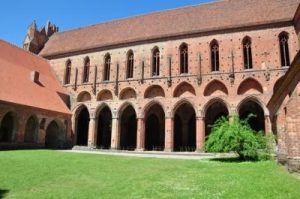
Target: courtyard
[58, 174]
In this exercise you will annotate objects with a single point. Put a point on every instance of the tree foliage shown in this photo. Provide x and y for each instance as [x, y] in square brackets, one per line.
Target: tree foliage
[237, 136]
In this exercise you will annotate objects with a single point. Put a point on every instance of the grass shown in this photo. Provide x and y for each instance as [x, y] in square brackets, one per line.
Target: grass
[52, 174]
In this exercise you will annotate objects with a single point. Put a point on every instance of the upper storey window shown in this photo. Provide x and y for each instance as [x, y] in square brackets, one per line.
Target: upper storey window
[284, 49]
[184, 61]
[247, 53]
[86, 70]
[67, 78]
[130, 64]
[214, 51]
[107, 62]
[155, 62]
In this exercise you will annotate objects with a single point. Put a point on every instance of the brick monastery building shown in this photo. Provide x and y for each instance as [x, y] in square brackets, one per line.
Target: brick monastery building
[156, 81]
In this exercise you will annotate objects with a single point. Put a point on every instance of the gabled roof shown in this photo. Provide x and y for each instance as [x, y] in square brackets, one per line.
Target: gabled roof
[221, 15]
[16, 86]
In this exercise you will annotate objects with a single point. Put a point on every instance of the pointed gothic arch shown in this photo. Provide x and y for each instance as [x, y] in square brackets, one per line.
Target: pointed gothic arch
[215, 88]
[184, 89]
[154, 91]
[250, 86]
[84, 96]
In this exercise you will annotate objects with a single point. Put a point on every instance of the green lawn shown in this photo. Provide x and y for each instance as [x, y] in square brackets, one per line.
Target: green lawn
[52, 174]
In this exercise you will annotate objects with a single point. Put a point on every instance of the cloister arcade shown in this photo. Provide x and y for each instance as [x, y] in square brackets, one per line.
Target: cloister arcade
[156, 121]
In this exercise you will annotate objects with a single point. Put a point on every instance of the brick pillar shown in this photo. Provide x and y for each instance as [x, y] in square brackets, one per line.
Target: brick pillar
[115, 134]
[140, 142]
[92, 133]
[268, 125]
[200, 134]
[169, 134]
[73, 133]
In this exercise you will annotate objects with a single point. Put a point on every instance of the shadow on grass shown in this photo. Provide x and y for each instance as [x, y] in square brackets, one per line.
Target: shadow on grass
[232, 160]
[3, 193]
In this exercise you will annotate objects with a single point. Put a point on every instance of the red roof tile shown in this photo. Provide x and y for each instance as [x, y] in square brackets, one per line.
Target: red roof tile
[194, 19]
[16, 86]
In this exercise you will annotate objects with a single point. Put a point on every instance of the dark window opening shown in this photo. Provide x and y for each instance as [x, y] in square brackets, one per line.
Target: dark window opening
[155, 62]
[247, 53]
[214, 48]
[184, 59]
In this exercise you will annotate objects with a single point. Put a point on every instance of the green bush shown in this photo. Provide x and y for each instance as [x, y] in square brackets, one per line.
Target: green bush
[237, 136]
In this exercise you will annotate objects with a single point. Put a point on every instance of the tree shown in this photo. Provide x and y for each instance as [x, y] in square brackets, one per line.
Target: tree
[237, 136]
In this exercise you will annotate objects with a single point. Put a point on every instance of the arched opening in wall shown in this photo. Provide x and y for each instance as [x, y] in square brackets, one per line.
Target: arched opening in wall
[250, 86]
[8, 127]
[155, 128]
[128, 129]
[185, 128]
[106, 71]
[214, 55]
[86, 70]
[55, 136]
[284, 48]
[184, 89]
[154, 91]
[127, 93]
[104, 128]
[257, 123]
[130, 64]
[155, 62]
[82, 127]
[84, 96]
[247, 51]
[31, 130]
[215, 88]
[215, 111]
[67, 78]
[184, 59]
[104, 95]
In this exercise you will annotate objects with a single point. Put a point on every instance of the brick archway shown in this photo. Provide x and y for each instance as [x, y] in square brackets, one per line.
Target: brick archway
[104, 127]
[128, 128]
[8, 127]
[215, 109]
[185, 128]
[82, 119]
[31, 130]
[55, 135]
[251, 106]
[154, 127]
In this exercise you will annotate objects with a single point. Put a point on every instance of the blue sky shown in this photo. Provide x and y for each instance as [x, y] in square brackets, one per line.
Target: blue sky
[17, 15]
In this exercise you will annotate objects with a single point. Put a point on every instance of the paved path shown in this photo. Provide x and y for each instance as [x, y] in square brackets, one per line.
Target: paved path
[157, 154]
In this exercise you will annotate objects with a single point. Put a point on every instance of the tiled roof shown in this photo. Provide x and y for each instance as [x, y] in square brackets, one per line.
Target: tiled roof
[219, 15]
[16, 86]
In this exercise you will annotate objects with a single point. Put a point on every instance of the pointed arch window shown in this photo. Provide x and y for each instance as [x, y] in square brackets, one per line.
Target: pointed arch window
[284, 49]
[130, 64]
[247, 51]
[184, 61]
[86, 70]
[214, 51]
[67, 79]
[107, 62]
[155, 62]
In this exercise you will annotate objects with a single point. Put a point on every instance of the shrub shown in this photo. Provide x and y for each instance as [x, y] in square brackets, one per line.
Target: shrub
[237, 136]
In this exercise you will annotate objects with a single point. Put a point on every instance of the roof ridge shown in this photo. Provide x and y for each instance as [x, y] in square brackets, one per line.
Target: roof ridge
[142, 15]
[25, 51]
